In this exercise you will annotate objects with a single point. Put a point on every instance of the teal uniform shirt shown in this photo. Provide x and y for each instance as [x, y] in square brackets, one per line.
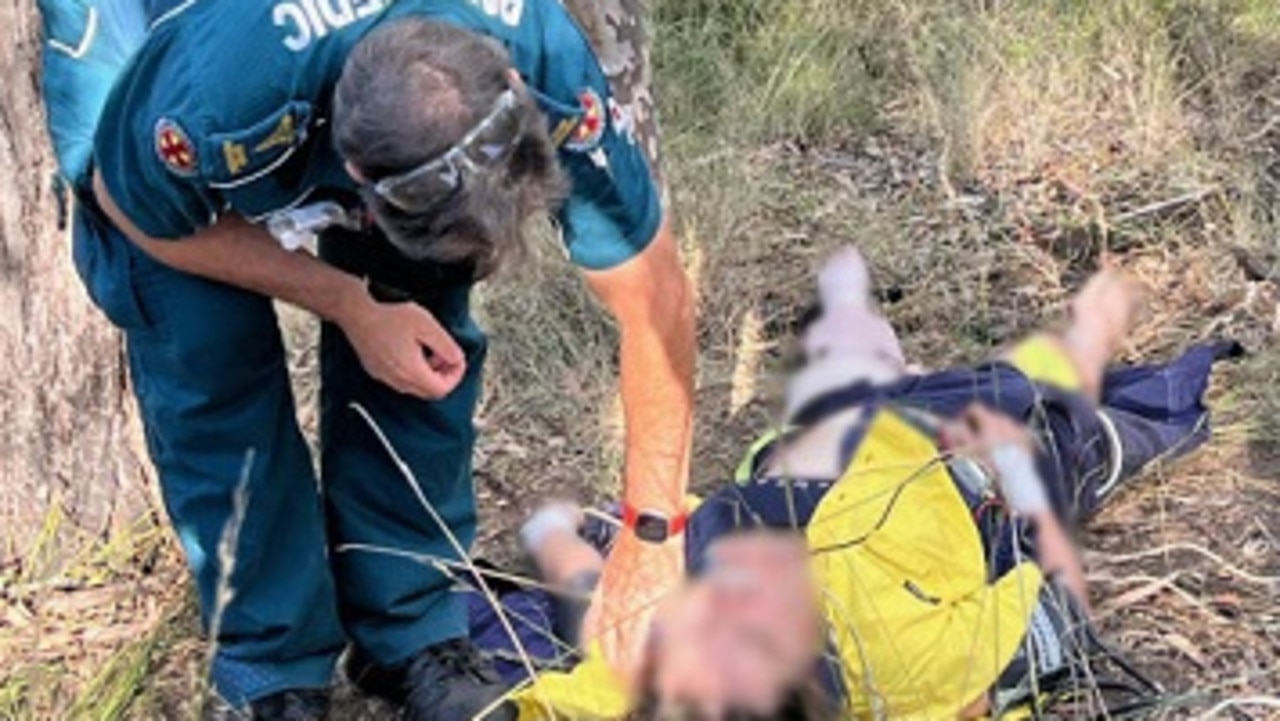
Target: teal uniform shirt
[226, 108]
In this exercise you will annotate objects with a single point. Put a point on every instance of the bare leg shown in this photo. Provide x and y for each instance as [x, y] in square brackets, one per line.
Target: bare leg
[850, 342]
[1102, 315]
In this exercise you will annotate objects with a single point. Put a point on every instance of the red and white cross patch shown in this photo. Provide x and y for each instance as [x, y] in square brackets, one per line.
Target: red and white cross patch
[175, 149]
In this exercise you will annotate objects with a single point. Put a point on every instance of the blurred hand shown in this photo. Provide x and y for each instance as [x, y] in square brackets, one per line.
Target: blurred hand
[550, 537]
[638, 576]
[979, 430]
[403, 346]
[1004, 446]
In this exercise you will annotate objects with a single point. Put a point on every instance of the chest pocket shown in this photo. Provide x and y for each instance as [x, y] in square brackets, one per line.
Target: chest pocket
[262, 168]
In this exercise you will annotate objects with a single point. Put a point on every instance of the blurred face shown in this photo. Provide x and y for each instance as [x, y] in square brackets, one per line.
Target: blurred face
[743, 635]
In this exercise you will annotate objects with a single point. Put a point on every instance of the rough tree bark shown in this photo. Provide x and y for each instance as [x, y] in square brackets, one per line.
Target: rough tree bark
[619, 32]
[69, 449]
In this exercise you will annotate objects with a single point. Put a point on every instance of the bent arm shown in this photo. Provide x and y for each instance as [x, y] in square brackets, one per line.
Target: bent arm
[401, 345]
[652, 300]
[238, 253]
[1023, 489]
[1057, 555]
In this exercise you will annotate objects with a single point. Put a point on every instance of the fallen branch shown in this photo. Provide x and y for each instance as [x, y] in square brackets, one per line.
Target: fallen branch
[1133, 596]
[1162, 206]
[1272, 582]
[1233, 703]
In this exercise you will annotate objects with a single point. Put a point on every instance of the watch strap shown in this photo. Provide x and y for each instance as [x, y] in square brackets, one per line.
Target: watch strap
[632, 517]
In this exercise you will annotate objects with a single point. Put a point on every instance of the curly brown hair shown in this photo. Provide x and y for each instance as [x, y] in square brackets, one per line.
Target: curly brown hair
[411, 89]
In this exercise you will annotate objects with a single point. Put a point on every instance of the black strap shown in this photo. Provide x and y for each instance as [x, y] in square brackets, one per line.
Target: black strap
[834, 403]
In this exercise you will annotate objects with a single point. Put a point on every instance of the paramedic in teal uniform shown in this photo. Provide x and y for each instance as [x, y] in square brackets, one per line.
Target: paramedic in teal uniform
[414, 139]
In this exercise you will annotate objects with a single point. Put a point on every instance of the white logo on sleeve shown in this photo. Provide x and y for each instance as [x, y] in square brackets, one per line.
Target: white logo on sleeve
[508, 11]
[308, 20]
[624, 120]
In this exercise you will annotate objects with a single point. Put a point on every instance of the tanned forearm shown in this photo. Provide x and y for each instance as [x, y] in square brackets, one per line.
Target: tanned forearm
[653, 302]
[657, 400]
[244, 255]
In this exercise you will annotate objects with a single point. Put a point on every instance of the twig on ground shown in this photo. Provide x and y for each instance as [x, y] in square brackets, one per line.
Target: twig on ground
[1135, 595]
[1270, 581]
[1234, 704]
[1261, 133]
[1150, 587]
[445, 565]
[1164, 205]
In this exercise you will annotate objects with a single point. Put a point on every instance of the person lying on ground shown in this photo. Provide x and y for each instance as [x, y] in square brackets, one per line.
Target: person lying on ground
[926, 518]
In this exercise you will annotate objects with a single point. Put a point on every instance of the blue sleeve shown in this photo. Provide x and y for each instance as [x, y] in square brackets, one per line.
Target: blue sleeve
[81, 58]
[145, 149]
[614, 209]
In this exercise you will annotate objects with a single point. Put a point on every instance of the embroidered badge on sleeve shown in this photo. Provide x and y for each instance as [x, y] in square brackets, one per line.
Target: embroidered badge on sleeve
[592, 125]
[174, 148]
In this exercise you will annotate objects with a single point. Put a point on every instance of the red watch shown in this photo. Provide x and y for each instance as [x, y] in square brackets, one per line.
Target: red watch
[652, 525]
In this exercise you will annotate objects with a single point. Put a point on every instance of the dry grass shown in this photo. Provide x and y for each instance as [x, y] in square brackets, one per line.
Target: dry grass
[985, 155]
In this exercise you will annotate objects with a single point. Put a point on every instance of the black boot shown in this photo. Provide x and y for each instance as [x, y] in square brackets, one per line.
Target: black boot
[449, 681]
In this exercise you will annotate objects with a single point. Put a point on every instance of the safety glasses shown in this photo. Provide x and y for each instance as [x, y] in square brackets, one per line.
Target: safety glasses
[487, 146]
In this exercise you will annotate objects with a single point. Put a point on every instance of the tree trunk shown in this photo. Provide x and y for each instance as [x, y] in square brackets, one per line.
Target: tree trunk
[70, 460]
[619, 32]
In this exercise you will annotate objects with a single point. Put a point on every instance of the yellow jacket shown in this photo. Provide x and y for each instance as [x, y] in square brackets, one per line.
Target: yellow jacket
[919, 631]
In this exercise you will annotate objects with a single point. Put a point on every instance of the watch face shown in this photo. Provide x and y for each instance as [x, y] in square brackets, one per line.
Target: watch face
[653, 528]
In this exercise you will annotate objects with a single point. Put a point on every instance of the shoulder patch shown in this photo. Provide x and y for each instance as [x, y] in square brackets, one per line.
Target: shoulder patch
[174, 148]
[235, 156]
[591, 125]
